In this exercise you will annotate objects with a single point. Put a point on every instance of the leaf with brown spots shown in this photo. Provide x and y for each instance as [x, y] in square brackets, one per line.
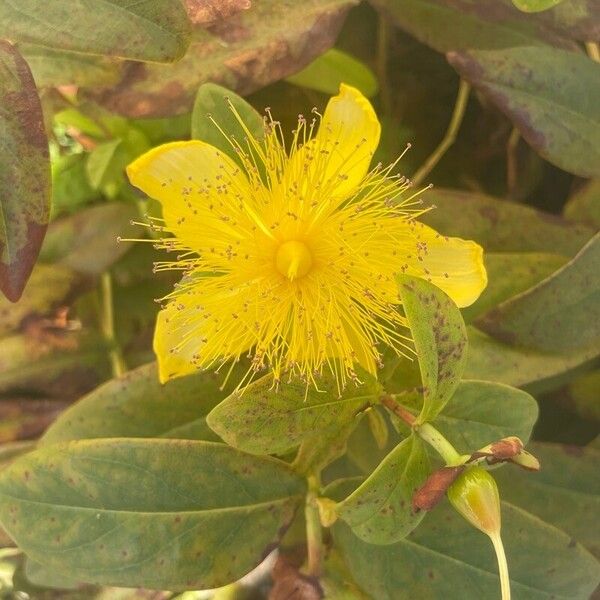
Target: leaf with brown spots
[551, 96]
[137, 405]
[270, 40]
[469, 24]
[440, 339]
[24, 173]
[265, 420]
[380, 511]
[561, 315]
[154, 30]
[161, 514]
[573, 19]
[447, 558]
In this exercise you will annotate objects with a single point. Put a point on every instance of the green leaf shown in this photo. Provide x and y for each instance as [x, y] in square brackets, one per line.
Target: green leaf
[581, 395]
[52, 68]
[24, 172]
[447, 558]
[481, 412]
[99, 162]
[87, 241]
[510, 274]
[565, 492]
[503, 226]
[71, 189]
[153, 30]
[218, 103]
[137, 405]
[533, 6]
[560, 315]
[328, 71]
[573, 19]
[440, 340]
[551, 96]
[380, 510]
[272, 40]
[163, 514]
[454, 25]
[492, 360]
[268, 420]
[584, 205]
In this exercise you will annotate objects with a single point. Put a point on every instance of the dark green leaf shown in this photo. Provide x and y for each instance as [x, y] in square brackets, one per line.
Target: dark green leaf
[440, 339]
[560, 315]
[447, 558]
[163, 514]
[574, 19]
[565, 492]
[380, 510]
[137, 405]
[256, 47]
[334, 67]
[551, 96]
[24, 172]
[510, 274]
[446, 25]
[267, 420]
[503, 226]
[492, 360]
[153, 30]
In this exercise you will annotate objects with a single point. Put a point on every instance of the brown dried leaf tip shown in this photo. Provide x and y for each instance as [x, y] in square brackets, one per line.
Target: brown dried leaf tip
[434, 488]
[509, 449]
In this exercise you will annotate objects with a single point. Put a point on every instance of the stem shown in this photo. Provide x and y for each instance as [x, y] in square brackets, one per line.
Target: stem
[314, 534]
[390, 403]
[428, 433]
[502, 565]
[593, 50]
[383, 42]
[511, 161]
[107, 324]
[455, 122]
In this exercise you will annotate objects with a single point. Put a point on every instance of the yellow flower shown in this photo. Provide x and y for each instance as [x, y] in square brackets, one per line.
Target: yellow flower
[293, 257]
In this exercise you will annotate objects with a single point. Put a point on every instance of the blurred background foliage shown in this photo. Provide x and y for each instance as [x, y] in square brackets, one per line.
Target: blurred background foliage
[521, 176]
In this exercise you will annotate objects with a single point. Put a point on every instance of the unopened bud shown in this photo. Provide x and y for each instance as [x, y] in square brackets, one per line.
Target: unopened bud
[475, 496]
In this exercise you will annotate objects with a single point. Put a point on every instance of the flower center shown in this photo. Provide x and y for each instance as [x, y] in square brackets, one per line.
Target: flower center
[293, 259]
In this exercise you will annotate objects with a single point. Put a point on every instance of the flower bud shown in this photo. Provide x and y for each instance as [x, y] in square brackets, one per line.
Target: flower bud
[475, 496]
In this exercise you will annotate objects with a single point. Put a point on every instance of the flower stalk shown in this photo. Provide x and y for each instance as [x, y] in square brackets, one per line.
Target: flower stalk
[314, 534]
[107, 325]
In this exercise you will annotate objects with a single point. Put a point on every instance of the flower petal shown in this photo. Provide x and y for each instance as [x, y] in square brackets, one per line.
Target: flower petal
[452, 264]
[167, 334]
[186, 177]
[337, 159]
